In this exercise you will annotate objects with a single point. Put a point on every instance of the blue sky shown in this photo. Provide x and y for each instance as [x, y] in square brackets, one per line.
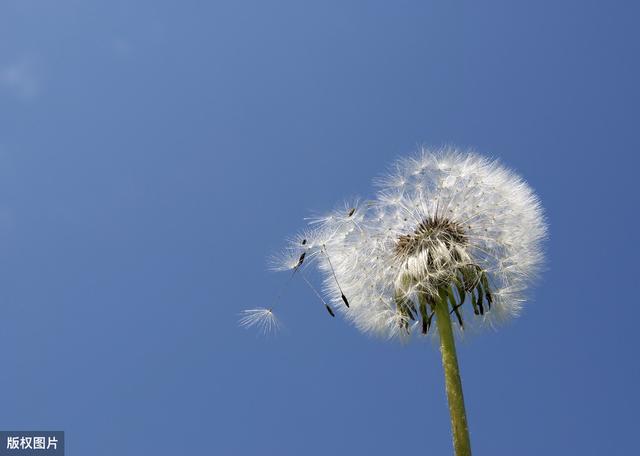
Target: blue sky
[153, 154]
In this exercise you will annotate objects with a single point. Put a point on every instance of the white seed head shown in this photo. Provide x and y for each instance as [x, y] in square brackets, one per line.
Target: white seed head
[262, 319]
[445, 226]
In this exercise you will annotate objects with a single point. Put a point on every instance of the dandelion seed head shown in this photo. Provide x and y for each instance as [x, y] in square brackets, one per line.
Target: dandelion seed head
[263, 319]
[443, 221]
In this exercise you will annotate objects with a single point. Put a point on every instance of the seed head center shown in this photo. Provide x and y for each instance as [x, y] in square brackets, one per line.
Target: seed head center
[432, 232]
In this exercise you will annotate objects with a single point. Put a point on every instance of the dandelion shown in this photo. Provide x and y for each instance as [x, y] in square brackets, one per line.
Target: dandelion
[449, 237]
[261, 318]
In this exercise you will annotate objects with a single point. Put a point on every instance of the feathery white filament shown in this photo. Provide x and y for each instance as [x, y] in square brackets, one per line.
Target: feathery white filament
[263, 319]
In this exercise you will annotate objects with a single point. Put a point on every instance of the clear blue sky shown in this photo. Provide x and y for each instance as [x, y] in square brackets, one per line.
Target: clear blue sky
[153, 154]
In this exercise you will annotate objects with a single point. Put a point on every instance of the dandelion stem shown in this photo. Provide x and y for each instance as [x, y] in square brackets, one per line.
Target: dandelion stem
[459, 427]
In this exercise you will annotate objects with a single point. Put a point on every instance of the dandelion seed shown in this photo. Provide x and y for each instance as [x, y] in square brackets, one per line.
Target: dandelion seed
[327, 306]
[300, 260]
[333, 272]
[262, 319]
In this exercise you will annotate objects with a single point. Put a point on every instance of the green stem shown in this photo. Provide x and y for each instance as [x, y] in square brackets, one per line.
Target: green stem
[459, 427]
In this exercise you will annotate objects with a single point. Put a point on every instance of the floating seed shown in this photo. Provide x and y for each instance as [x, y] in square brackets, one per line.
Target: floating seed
[301, 260]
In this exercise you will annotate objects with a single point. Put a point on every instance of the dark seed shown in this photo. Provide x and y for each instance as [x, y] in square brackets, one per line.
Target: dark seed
[330, 310]
[344, 298]
[301, 259]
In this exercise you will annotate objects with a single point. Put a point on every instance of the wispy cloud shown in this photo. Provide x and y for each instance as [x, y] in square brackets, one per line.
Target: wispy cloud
[20, 78]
